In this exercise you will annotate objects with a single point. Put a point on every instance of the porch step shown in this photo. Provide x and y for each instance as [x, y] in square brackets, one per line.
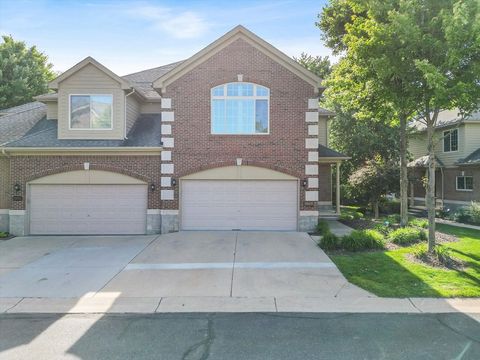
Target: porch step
[328, 216]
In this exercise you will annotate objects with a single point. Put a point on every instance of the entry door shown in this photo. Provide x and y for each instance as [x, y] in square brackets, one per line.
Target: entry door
[238, 204]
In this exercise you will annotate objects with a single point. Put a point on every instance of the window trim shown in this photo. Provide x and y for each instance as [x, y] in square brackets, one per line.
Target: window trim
[253, 97]
[87, 129]
[463, 176]
[444, 136]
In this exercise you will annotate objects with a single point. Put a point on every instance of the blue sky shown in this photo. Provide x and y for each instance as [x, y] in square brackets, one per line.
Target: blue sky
[128, 36]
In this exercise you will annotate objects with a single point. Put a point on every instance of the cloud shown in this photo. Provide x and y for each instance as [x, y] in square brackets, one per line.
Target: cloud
[179, 24]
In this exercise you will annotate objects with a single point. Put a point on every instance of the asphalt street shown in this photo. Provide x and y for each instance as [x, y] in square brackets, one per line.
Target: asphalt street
[239, 336]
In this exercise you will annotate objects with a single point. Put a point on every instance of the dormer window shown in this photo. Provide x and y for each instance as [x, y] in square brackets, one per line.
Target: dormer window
[92, 112]
[240, 109]
[450, 140]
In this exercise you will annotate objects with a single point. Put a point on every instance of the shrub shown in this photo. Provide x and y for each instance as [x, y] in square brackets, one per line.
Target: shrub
[358, 215]
[393, 218]
[3, 234]
[389, 206]
[407, 235]
[419, 222]
[474, 210]
[346, 216]
[441, 254]
[323, 227]
[329, 241]
[362, 240]
[462, 215]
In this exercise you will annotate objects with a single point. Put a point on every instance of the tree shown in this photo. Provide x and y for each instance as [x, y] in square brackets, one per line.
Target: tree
[316, 64]
[373, 180]
[419, 56]
[24, 73]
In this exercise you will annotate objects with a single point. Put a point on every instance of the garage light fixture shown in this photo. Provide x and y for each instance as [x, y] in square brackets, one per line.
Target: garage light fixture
[304, 183]
[174, 182]
[152, 187]
[17, 187]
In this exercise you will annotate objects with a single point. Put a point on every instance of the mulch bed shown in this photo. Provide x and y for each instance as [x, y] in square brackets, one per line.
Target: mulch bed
[432, 260]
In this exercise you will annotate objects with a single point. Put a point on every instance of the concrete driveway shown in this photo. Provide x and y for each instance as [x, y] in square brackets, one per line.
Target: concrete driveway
[186, 265]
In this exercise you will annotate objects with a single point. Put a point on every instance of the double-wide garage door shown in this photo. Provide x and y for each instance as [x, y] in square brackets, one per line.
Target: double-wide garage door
[238, 204]
[88, 209]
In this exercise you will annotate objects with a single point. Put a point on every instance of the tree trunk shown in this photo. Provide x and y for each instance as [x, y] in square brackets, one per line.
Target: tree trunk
[376, 210]
[430, 191]
[403, 172]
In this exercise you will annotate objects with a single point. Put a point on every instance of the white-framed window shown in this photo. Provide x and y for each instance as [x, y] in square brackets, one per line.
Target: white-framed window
[464, 183]
[240, 108]
[90, 112]
[450, 140]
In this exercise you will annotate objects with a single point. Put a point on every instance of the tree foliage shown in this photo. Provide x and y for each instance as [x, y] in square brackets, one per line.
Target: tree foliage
[320, 66]
[373, 180]
[417, 57]
[24, 73]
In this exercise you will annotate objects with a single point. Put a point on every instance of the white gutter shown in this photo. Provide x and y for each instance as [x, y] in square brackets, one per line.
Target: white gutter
[125, 114]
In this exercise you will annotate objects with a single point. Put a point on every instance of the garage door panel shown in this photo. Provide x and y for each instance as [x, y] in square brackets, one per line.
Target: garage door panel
[88, 209]
[232, 204]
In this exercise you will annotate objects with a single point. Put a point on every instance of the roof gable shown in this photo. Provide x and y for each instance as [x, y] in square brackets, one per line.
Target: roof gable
[89, 61]
[239, 32]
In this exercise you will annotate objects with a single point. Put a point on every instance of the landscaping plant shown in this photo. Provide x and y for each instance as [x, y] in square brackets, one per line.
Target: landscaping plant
[407, 236]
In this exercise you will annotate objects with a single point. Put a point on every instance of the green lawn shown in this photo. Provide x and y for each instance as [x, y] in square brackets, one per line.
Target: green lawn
[391, 274]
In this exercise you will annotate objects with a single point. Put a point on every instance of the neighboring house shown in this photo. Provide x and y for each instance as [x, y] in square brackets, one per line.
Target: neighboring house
[231, 138]
[457, 150]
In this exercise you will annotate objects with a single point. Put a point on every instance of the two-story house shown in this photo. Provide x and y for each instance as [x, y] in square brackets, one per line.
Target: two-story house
[231, 138]
[457, 151]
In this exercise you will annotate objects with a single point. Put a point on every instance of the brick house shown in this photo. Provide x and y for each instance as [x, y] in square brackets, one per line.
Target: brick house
[231, 138]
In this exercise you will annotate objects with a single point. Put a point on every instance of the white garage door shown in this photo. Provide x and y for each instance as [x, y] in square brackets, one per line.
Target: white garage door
[88, 209]
[244, 205]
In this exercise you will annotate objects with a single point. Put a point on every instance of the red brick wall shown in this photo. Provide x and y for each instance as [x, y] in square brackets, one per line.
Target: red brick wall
[5, 188]
[283, 149]
[27, 168]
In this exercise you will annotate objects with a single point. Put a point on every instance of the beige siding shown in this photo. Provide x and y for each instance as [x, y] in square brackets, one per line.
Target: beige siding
[466, 141]
[5, 188]
[450, 158]
[417, 145]
[322, 130]
[90, 80]
[133, 111]
[151, 108]
[472, 137]
[52, 110]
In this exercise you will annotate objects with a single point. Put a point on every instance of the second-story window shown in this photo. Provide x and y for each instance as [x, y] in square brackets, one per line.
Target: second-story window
[91, 112]
[240, 109]
[450, 140]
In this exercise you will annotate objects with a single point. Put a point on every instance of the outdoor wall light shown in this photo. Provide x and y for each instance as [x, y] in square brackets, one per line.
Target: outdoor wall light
[17, 187]
[304, 183]
[152, 187]
[174, 182]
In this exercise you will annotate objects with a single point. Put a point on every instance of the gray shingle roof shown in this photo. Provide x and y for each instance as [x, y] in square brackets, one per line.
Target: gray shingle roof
[145, 133]
[445, 119]
[142, 80]
[325, 152]
[472, 159]
[422, 162]
[19, 120]
[323, 111]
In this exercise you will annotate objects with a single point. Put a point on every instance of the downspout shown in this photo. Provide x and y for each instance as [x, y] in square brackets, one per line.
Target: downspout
[443, 188]
[125, 114]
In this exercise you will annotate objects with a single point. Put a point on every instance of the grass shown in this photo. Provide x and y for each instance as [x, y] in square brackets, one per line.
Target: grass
[392, 273]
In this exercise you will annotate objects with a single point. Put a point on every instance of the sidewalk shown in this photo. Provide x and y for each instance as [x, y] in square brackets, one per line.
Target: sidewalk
[457, 224]
[113, 304]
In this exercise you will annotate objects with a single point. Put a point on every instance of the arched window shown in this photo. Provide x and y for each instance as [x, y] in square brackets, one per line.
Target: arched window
[240, 108]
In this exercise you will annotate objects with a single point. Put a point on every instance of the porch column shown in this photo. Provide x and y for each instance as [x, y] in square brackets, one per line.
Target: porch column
[337, 193]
